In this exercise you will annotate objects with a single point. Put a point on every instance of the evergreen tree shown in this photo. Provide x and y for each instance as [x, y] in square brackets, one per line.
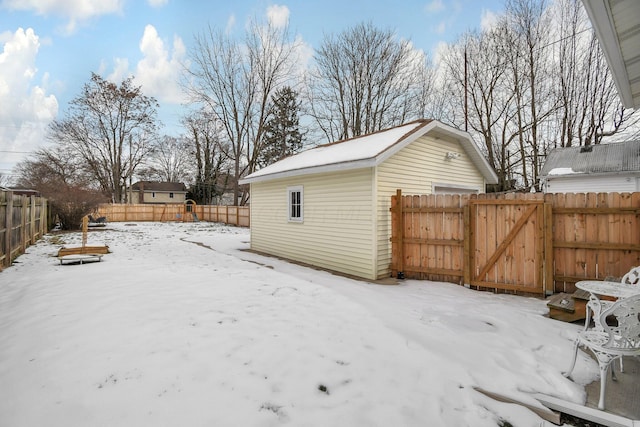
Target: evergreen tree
[282, 136]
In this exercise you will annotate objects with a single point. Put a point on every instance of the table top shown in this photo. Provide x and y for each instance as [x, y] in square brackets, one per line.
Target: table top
[612, 289]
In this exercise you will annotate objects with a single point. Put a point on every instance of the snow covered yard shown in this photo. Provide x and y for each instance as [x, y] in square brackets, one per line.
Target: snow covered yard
[179, 326]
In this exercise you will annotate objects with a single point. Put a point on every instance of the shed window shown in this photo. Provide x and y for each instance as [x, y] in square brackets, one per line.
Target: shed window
[295, 197]
[171, 195]
[153, 194]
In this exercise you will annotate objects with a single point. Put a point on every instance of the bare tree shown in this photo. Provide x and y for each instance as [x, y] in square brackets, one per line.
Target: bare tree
[477, 78]
[5, 180]
[365, 80]
[209, 155]
[59, 177]
[169, 161]
[589, 107]
[533, 81]
[111, 129]
[235, 80]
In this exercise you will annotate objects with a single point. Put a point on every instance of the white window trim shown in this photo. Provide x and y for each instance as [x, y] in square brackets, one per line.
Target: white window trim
[295, 189]
[453, 188]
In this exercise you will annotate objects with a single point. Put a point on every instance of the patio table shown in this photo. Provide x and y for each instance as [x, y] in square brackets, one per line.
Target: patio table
[610, 289]
[606, 288]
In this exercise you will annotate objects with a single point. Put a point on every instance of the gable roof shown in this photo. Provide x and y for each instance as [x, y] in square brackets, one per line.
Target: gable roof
[175, 187]
[621, 157]
[367, 151]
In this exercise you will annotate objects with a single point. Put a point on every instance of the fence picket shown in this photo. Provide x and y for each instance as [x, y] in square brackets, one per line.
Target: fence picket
[567, 237]
[23, 220]
[234, 215]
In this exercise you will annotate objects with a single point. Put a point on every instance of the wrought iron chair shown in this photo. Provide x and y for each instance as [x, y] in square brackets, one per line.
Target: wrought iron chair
[596, 305]
[612, 342]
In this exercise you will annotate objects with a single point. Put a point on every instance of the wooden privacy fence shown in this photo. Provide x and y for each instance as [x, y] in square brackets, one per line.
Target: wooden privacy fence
[185, 212]
[529, 243]
[23, 220]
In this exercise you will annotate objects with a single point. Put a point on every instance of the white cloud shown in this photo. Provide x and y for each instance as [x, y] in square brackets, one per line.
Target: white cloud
[159, 70]
[438, 53]
[488, 20]
[434, 6]
[278, 15]
[440, 28]
[120, 70]
[157, 3]
[25, 108]
[76, 12]
[231, 23]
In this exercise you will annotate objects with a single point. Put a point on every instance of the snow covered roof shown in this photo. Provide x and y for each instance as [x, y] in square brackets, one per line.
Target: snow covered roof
[367, 151]
[159, 186]
[620, 157]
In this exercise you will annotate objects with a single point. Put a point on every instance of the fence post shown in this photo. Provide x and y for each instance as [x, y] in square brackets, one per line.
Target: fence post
[400, 234]
[468, 235]
[23, 225]
[32, 211]
[549, 284]
[8, 226]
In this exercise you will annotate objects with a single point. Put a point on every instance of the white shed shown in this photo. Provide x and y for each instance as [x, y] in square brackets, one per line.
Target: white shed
[592, 169]
[329, 206]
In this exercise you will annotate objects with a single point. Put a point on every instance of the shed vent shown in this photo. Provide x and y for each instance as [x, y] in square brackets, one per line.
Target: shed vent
[586, 149]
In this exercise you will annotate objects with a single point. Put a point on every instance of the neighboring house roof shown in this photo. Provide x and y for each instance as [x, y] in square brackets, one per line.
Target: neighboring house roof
[617, 26]
[367, 151]
[22, 191]
[175, 187]
[621, 157]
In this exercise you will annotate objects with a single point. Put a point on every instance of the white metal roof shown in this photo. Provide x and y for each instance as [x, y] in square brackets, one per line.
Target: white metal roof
[620, 157]
[367, 151]
[617, 26]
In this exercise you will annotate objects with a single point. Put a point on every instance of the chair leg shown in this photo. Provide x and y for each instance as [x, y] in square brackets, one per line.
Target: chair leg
[573, 361]
[587, 320]
[613, 372]
[603, 384]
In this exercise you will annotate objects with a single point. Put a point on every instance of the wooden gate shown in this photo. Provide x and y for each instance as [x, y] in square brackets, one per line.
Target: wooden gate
[529, 242]
[506, 244]
[485, 241]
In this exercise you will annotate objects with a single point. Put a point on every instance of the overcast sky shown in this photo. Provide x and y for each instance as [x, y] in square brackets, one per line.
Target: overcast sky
[49, 48]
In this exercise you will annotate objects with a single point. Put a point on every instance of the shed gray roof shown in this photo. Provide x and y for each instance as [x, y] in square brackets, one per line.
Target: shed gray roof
[593, 159]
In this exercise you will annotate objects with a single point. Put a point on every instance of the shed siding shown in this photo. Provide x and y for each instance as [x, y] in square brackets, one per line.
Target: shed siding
[415, 169]
[337, 232]
[580, 183]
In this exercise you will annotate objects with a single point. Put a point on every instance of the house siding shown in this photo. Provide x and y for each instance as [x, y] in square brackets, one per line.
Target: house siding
[161, 197]
[337, 230]
[415, 170]
[580, 183]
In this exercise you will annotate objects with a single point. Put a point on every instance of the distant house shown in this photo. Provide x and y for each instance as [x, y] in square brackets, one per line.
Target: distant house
[593, 169]
[158, 192]
[329, 206]
[17, 191]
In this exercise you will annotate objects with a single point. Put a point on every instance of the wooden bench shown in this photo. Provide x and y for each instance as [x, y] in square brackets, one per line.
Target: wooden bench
[82, 254]
[79, 258]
